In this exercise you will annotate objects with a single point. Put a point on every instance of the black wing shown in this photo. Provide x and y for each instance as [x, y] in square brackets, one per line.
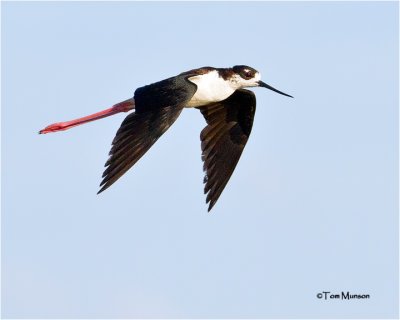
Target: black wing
[229, 124]
[157, 106]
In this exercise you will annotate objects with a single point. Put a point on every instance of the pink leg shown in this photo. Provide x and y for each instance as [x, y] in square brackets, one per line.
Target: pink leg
[123, 106]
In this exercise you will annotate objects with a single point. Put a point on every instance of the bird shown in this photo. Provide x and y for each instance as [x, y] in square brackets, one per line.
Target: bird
[220, 95]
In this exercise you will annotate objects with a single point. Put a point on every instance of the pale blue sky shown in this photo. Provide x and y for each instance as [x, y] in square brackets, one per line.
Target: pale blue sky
[311, 207]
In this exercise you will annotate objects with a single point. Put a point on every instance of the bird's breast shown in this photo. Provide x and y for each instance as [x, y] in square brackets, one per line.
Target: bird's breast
[210, 88]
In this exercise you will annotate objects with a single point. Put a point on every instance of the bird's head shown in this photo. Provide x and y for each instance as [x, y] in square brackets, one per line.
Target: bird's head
[245, 76]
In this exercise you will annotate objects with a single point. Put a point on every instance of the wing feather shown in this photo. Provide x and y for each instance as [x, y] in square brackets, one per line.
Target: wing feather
[157, 106]
[229, 125]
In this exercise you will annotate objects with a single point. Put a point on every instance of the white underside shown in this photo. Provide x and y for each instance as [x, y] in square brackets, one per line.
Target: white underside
[210, 88]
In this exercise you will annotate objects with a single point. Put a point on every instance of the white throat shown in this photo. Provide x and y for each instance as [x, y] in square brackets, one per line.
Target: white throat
[210, 88]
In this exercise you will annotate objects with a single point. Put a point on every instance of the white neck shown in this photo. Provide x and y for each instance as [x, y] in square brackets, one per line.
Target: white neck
[211, 88]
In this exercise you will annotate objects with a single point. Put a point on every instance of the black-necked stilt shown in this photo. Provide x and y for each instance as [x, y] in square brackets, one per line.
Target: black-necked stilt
[218, 92]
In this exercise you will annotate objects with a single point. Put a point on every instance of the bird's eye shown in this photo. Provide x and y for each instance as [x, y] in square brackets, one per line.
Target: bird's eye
[247, 74]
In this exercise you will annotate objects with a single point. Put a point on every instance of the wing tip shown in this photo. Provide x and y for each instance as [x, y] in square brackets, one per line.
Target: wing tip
[101, 190]
[210, 206]
[103, 186]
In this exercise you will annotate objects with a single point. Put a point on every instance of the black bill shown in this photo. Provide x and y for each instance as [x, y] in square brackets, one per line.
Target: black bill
[263, 84]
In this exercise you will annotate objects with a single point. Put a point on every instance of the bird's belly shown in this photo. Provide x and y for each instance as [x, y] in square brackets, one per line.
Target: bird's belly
[209, 90]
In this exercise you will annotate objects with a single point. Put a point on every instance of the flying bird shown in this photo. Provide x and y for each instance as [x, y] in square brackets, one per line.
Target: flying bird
[220, 96]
